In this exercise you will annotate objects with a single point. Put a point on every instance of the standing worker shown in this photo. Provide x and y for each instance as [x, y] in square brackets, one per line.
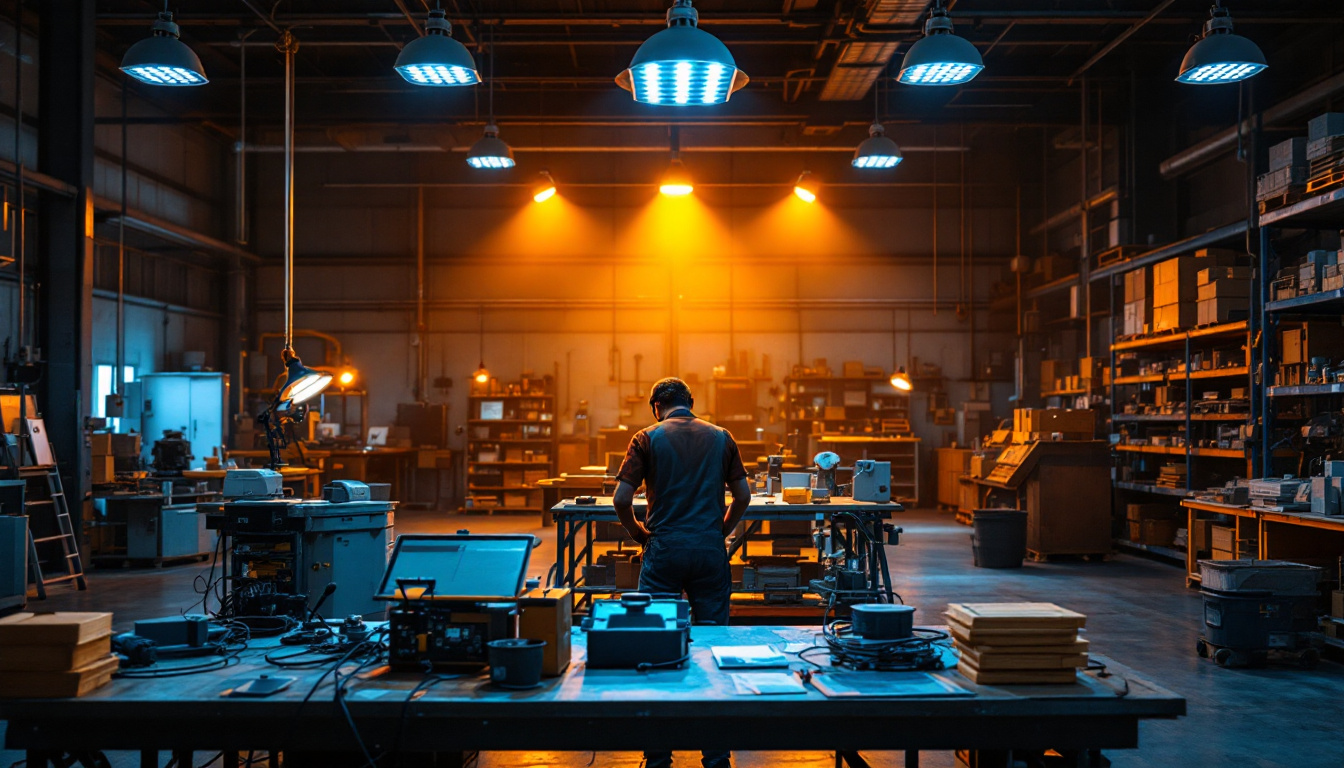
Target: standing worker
[684, 464]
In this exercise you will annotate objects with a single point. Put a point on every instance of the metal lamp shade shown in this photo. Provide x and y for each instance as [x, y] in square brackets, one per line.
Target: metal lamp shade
[163, 60]
[1221, 57]
[490, 152]
[677, 181]
[877, 152]
[437, 60]
[682, 66]
[940, 58]
[303, 383]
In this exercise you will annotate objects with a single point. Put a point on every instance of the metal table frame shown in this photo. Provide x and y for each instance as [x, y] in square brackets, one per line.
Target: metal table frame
[575, 536]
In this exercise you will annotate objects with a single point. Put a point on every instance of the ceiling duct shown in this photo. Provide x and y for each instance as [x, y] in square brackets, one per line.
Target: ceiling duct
[861, 63]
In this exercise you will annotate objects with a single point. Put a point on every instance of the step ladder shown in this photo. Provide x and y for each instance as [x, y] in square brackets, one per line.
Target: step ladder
[46, 504]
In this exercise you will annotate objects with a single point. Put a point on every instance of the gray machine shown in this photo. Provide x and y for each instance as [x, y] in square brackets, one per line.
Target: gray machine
[281, 554]
[872, 480]
[13, 546]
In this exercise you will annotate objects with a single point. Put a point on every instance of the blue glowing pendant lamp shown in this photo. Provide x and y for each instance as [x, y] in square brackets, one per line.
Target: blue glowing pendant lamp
[163, 59]
[437, 59]
[940, 57]
[1220, 56]
[682, 65]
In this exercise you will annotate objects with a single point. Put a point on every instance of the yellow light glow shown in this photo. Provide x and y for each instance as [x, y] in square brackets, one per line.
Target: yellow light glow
[807, 196]
[805, 188]
[544, 188]
[347, 378]
[901, 381]
[545, 194]
[676, 190]
[482, 376]
[676, 181]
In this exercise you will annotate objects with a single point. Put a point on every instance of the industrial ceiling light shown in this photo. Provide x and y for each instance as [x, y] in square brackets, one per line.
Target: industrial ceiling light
[437, 59]
[806, 187]
[162, 58]
[481, 376]
[490, 152]
[542, 190]
[677, 180]
[1220, 56]
[901, 380]
[682, 65]
[940, 57]
[877, 151]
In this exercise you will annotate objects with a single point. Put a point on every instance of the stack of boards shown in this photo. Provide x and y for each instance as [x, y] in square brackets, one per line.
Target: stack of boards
[55, 655]
[1017, 643]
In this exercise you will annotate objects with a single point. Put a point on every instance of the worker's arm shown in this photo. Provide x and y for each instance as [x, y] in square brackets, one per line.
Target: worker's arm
[741, 491]
[624, 502]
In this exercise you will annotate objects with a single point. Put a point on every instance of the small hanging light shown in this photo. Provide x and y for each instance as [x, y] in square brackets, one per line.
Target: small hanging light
[676, 181]
[806, 187]
[940, 57]
[543, 189]
[1220, 56]
[877, 151]
[162, 58]
[682, 65]
[490, 152]
[901, 380]
[437, 59]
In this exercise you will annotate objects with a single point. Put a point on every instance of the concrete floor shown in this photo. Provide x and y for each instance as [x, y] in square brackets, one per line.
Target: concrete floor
[1139, 613]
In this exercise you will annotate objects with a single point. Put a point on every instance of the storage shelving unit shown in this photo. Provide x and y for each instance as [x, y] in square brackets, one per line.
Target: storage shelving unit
[841, 404]
[510, 448]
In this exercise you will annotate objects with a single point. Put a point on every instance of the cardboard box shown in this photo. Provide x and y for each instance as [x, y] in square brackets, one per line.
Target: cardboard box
[1218, 257]
[1159, 533]
[547, 614]
[1312, 339]
[1138, 284]
[1200, 539]
[853, 369]
[1223, 537]
[1288, 153]
[1210, 274]
[62, 628]
[1150, 511]
[1226, 289]
[100, 443]
[1223, 554]
[1221, 310]
[1325, 125]
[1175, 316]
[1138, 314]
[1047, 420]
[103, 469]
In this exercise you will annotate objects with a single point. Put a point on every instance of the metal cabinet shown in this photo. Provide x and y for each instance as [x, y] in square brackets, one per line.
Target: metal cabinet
[194, 403]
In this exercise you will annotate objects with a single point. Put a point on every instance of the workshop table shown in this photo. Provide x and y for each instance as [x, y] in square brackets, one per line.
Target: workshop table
[691, 708]
[575, 534]
[308, 478]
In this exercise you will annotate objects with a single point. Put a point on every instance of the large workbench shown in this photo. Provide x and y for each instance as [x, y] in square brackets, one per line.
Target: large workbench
[576, 532]
[690, 708]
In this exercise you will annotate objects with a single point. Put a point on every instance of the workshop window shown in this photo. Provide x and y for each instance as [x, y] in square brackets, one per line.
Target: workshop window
[102, 386]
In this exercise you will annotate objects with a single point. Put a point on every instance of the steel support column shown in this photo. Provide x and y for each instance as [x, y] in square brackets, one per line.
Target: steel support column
[65, 243]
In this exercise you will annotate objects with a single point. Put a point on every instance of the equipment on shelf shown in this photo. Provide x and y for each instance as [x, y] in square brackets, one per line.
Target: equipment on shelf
[253, 483]
[638, 632]
[172, 454]
[454, 594]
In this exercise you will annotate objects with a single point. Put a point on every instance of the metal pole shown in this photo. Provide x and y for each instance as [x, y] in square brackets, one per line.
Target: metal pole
[420, 360]
[18, 176]
[241, 236]
[117, 374]
[288, 45]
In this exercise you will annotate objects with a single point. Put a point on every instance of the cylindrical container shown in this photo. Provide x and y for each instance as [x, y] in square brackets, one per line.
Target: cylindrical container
[999, 538]
[516, 662]
[882, 621]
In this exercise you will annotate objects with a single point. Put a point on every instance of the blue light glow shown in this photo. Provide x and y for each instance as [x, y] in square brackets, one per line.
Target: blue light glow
[682, 82]
[439, 74]
[163, 75]
[876, 161]
[939, 73]
[487, 162]
[1221, 72]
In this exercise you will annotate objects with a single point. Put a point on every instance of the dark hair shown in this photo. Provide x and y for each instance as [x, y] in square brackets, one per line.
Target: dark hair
[670, 392]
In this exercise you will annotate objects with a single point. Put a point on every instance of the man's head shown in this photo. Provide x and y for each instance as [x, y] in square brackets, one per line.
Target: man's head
[668, 394]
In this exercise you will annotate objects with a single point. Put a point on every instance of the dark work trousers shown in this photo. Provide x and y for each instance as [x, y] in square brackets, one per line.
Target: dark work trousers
[700, 569]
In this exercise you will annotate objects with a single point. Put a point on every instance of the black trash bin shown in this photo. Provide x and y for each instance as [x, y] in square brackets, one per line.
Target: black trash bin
[999, 538]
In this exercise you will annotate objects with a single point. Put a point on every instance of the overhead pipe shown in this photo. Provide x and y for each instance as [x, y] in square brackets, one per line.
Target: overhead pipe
[661, 150]
[1211, 148]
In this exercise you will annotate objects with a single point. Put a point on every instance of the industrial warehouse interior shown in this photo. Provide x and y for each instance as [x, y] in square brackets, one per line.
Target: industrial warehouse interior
[630, 383]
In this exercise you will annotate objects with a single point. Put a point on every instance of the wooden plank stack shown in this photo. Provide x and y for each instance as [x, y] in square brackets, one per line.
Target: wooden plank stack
[1017, 643]
[55, 655]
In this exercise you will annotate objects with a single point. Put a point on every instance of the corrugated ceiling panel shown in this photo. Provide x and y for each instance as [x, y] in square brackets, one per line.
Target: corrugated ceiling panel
[867, 53]
[850, 83]
[897, 11]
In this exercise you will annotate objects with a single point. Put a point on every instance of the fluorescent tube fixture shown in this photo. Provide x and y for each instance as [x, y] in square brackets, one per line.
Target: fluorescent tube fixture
[162, 58]
[1220, 56]
[877, 151]
[437, 59]
[542, 190]
[940, 57]
[806, 187]
[682, 65]
[490, 152]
